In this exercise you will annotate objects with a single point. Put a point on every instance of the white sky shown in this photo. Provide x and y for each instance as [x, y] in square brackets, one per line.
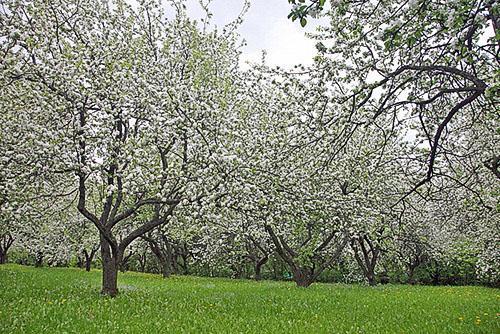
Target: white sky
[265, 27]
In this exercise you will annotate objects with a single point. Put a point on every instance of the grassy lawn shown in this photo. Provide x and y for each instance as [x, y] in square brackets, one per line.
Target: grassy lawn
[67, 301]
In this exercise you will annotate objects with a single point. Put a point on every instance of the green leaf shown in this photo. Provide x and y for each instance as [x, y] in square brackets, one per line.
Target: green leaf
[303, 22]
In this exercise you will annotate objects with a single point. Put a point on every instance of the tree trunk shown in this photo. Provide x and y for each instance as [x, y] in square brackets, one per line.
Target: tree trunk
[88, 264]
[304, 276]
[370, 255]
[258, 267]
[79, 262]
[89, 258]
[169, 266]
[162, 258]
[165, 269]
[142, 261]
[257, 276]
[185, 263]
[124, 263]
[371, 279]
[411, 275]
[110, 265]
[3, 255]
[6, 240]
[301, 278]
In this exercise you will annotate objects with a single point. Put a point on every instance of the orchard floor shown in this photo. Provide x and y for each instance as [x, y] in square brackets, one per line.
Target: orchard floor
[50, 300]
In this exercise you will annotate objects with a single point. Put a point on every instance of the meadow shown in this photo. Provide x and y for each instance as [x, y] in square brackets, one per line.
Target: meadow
[66, 300]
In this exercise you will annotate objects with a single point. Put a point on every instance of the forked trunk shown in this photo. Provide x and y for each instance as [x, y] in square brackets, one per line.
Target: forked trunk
[366, 254]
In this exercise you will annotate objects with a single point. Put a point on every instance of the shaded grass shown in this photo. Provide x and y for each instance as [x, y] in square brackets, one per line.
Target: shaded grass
[65, 300]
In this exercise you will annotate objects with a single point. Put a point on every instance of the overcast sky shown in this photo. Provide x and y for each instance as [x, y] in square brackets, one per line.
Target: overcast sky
[265, 27]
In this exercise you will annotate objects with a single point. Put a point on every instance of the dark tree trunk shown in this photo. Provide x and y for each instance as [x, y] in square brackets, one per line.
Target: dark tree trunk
[258, 255]
[88, 264]
[258, 275]
[162, 258]
[110, 265]
[123, 265]
[174, 264]
[258, 267]
[142, 261]
[89, 257]
[368, 261]
[79, 262]
[302, 278]
[371, 279]
[169, 259]
[174, 258]
[165, 269]
[411, 275]
[185, 262]
[305, 276]
[6, 240]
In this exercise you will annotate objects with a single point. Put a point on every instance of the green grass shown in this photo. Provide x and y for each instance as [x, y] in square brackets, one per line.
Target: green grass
[50, 300]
